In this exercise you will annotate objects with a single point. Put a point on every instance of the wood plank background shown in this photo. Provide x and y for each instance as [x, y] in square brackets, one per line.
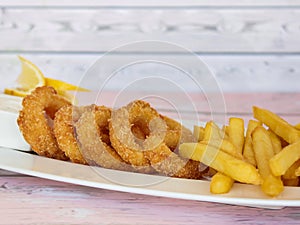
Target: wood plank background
[251, 46]
[234, 73]
[146, 3]
[203, 30]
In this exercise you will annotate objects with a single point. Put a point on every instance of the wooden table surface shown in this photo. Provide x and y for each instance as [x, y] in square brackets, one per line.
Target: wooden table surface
[32, 200]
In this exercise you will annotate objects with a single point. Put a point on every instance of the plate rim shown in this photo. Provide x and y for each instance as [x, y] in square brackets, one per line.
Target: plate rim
[12, 154]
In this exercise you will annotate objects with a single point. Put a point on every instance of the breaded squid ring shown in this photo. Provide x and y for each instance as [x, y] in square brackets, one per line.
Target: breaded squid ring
[128, 119]
[176, 133]
[169, 163]
[91, 128]
[94, 142]
[156, 148]
[65, 132]
[35, 121]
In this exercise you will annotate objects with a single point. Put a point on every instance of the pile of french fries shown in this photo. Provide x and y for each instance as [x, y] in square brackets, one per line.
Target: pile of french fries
[266, 154]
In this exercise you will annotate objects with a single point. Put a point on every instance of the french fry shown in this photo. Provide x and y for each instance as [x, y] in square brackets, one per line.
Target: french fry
[220, 183]
[198, 133]
[280, 162]
[276, 142]
[290, 178]
[277, 124]
[225, 129]
[237, 169]
[272, 185]
[213, 135]
[232, 156]
[263, 151]
[248, 150]
[225, 146]
[213, 132]
[291, 171]
[236, 133]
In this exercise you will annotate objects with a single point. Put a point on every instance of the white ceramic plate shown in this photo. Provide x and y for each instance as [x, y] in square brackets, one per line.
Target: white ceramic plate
[30, 164]
[10, 135]
[241, 194]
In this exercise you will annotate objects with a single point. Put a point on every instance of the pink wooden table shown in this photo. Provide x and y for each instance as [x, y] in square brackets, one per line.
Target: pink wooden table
[31, 200]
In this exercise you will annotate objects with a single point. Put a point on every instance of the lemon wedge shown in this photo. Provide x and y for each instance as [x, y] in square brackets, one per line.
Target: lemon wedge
[31, 77]
[16, 92]
[61, 85]
[63, 89]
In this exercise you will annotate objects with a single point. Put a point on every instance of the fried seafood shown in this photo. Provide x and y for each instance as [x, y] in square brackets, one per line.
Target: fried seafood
[92, 131]
[176, 133]
[170, 163]
[35, 121]
[65, 133]
[166, 162]
[133, 138]
[130, 147]
[161, 137]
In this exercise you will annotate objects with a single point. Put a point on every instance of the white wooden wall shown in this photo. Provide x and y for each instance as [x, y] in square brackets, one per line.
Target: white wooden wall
[251, 46]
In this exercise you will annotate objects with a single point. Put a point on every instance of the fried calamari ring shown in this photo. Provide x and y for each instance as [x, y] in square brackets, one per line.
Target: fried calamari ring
[155, 148]
[169, 163]
[129, 119]
[176, 133]
[91, 128]
[35, 121]
[94, 142]
[65, 132]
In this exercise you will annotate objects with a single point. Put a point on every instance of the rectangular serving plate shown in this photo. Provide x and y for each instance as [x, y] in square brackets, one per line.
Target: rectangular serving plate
[241, 194]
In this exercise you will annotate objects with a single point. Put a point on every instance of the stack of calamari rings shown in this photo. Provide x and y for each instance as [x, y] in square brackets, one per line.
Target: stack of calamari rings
[133, 138]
